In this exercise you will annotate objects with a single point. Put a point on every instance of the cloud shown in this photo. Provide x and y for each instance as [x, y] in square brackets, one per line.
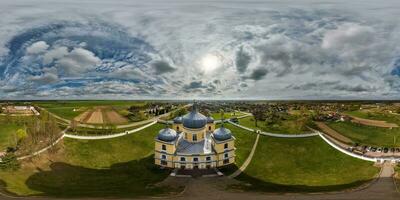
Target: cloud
[162, 67]
[77, 61]
[46, 78]
[54, 54]
[242, 60]
[258, 74]
[298, 52]
[37, 47]
[347, 35]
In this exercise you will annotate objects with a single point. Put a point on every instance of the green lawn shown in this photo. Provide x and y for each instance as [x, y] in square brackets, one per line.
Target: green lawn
[119, 167]
[303, 165]
[289, 126]
[368, 135]
[243, 143]
[227, 115]
[6, 134]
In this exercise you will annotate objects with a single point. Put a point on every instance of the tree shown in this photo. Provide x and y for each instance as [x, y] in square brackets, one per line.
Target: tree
[21, 135]
[74, 124]
[258, 114]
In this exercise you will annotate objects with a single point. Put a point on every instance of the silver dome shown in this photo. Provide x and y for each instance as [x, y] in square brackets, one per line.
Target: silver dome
[194, 119]
[178, 120]
[210, 119]
[167, 135]
[222, 134]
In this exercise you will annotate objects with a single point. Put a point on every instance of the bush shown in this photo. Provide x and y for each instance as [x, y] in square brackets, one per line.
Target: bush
[9, 162]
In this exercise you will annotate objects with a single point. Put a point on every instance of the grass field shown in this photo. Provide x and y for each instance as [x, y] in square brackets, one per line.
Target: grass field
[375, 115]
[6, 134]
[303, 165]
[227, 115]
[119, 167]
[243, 143]
[290, 126]
[368, 135]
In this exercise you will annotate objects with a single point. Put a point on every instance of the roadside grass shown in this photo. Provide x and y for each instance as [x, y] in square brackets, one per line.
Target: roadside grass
[375, 115]
[289, 126]
[217, 115]
[368, 135]
[302, 165]
[243, 143]
[96, 131]
[119, 167]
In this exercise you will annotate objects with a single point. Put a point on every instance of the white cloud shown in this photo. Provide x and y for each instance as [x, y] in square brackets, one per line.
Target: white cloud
[77, 61]
[53, 54]
[37, 47]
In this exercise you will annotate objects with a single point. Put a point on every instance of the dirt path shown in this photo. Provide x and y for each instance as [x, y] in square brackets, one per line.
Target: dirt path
[248, 160]
[370, 122]
[332, 133]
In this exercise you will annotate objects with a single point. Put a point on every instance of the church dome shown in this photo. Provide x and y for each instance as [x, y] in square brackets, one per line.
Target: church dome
[210, 119]
[194, 119]
[178, 120]
[222, 134]
[167, 135]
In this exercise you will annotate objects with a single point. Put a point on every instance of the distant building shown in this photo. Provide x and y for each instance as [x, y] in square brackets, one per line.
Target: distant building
[194, 143]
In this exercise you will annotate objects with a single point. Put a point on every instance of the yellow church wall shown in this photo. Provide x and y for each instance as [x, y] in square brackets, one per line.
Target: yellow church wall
[177, 127]
[170, 148]
[219, 147]
[210, 127]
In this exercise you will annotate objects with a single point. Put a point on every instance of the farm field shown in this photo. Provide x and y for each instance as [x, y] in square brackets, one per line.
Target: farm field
[101, 115]
[368, 135]
[291, 126]
[100, 168]
[71, 109]
[303, 165]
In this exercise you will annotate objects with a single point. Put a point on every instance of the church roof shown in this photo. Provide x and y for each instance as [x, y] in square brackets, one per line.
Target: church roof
[194, 119]
[167, 135]
[222, 134]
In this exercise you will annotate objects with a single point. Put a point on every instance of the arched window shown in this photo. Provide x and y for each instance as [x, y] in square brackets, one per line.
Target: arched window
[177, 128]
[225, 145]
[209, 128]
[163, 147]
[194, 137]
[163, 157]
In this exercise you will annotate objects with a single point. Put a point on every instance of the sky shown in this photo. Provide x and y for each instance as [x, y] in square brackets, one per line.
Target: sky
[243, 49]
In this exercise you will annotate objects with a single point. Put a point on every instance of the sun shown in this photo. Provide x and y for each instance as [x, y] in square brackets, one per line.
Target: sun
[210, 62]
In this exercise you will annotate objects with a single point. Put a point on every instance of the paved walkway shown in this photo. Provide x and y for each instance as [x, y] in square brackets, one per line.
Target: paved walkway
[45, 148]
[248, 160]
[275, 134]
[100, 137]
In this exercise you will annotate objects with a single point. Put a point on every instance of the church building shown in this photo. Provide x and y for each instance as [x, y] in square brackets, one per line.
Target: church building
[194, 143]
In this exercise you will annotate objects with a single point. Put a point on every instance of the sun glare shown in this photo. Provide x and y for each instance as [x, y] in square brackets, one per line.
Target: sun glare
[210, 62]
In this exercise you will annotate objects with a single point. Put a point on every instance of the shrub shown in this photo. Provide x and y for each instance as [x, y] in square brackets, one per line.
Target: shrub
[9, 162]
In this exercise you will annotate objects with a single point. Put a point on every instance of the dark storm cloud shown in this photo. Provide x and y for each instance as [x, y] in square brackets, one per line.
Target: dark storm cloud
[258, 74]
[242, 60]
[194, 85]
[162, 67]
